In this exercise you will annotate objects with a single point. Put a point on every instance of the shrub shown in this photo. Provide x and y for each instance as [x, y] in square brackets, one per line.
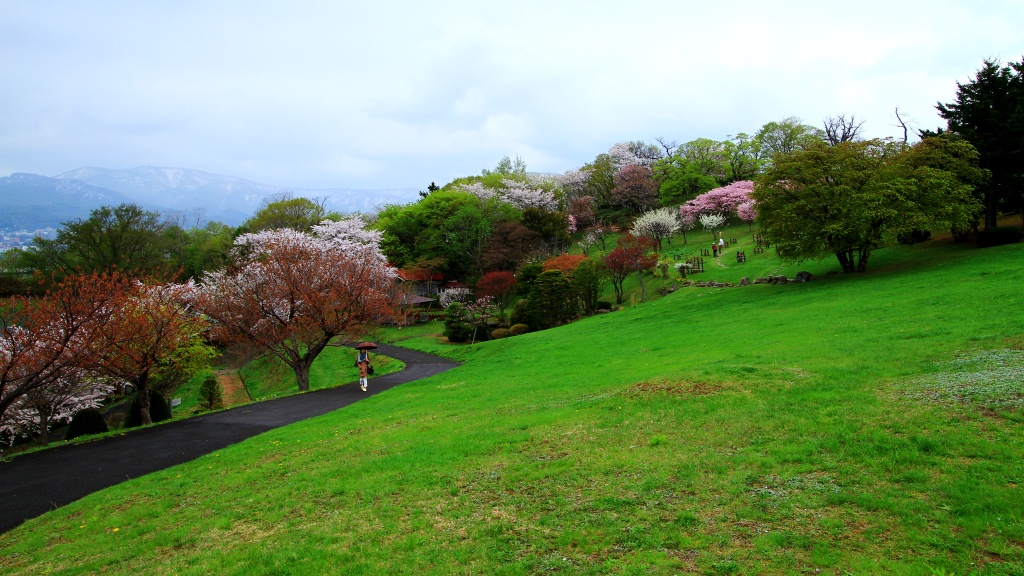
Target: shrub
[456, 326]
[85, 422]
[211, 394]
[159, 410]
[913, 237]
[518, 329]
[499, 333]
[999, 235]
[604, 305]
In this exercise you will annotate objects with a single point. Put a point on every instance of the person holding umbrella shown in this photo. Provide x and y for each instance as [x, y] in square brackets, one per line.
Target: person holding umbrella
[363, 362]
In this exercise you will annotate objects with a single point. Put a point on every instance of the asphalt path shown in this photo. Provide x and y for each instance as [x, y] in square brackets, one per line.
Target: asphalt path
[33, 484]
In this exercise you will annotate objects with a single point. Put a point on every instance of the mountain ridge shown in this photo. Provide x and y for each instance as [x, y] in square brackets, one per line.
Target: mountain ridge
[28, 199]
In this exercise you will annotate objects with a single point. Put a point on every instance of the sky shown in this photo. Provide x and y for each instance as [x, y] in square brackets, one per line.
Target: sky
[396, 94]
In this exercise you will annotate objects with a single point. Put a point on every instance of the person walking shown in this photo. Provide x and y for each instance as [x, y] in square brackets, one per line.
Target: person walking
[363, 362]
[721, 244]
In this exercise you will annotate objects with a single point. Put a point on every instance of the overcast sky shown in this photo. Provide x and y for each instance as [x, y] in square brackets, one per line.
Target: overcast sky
[379, 94]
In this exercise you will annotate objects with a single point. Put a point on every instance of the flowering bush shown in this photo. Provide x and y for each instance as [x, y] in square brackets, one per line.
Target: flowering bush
[447, 297]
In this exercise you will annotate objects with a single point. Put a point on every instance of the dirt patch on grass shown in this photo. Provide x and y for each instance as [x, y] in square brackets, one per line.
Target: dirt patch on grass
[232, 387]
[675, 388]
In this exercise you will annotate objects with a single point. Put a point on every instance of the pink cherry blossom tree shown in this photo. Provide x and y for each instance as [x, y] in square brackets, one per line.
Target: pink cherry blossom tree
[289, 293]
[722, 200]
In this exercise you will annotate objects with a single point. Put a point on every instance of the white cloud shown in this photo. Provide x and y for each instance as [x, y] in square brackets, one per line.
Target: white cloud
[374, 95]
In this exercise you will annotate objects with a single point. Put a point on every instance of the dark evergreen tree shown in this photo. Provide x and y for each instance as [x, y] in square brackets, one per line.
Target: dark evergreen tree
[989, 113]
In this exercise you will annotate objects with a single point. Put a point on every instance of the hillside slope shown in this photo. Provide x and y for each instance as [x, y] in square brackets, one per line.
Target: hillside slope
[779, 429]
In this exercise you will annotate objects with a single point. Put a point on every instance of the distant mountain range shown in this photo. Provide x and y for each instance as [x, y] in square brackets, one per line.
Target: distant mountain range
[31, 201]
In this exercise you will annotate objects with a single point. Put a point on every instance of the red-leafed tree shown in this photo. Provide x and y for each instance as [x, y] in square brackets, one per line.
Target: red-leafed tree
[632, 254]
[154, 331]
[564, 263]
[635, 189]
[289, 293]
[44, 340]
[500, 286]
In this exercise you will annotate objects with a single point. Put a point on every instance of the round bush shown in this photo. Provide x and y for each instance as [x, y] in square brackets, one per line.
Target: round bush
[604, 305]
[88, 421]
[499, 333]
[518, 329]
[999, 235]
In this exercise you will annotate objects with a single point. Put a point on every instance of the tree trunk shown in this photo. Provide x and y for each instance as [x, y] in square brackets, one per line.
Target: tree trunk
[862, 259]
[846, 260]
[301, 369]
[640, 278]
[44, 428]
[143, 399]
[991, 209]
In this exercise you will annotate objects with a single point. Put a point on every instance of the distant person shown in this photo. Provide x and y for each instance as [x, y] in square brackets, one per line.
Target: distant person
[363, 361]
[721, 243]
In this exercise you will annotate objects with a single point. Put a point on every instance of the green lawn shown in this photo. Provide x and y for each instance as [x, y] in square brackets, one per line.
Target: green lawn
[866, 424]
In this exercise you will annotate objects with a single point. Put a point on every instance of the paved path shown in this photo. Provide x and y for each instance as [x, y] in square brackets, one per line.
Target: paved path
[33, 484]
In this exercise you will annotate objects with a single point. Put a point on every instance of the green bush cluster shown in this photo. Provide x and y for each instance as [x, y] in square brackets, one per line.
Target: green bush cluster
[86, 422]
[999, 235]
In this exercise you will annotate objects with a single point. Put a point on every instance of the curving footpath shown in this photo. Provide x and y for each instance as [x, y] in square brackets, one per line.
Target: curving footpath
[33, 484]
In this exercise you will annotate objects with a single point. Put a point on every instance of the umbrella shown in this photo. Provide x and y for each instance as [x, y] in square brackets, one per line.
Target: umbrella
[366, 346]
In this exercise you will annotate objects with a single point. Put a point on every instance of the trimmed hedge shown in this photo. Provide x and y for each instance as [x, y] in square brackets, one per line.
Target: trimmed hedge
[86, 422]
[518, 329]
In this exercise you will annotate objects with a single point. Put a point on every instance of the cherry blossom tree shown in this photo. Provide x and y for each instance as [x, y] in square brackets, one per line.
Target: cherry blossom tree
[722, 200]
[34, 413]
[523, 195]
[154, 331]
[711, 222]
[44, 340]
[657, 225]
[458, 294]
[574, 183]
[748, 213]
[289, 293]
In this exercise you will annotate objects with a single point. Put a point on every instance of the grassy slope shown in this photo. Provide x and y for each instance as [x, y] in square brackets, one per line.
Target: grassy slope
[755, 430]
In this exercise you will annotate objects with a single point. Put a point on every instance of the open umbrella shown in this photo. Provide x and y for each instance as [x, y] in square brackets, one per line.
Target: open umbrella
[366, 346]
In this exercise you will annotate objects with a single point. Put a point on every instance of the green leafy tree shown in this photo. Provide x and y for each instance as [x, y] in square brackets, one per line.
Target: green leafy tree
[588, 281]
[785, 137]
[855, 197]
[283, 211]
[989, 113]
[124, 238]
[680, 180]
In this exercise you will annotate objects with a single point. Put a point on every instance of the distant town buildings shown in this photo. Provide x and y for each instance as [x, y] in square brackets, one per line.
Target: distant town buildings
[22, 238]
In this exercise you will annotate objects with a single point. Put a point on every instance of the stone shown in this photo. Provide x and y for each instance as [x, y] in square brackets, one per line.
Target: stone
[803, 276]
[744, 281]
